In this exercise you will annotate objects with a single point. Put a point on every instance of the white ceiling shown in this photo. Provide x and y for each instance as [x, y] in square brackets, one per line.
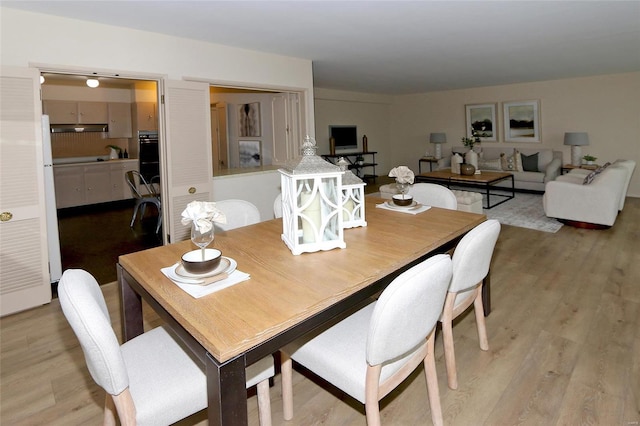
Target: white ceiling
[398, 47]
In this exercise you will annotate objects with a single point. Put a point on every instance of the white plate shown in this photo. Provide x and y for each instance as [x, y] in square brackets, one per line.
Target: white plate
[391, 205]
[226, 265]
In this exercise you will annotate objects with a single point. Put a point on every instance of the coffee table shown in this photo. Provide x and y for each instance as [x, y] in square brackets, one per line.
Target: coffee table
[484, 181]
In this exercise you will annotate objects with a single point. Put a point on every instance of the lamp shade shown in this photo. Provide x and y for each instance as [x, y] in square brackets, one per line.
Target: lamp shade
[438, 138]
[576, 138]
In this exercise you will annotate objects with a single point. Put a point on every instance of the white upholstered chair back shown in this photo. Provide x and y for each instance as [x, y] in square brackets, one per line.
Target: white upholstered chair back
[277, 206]
[408, 309]
[86, 311]
[472, 256]
[431, 194]
[238, 212]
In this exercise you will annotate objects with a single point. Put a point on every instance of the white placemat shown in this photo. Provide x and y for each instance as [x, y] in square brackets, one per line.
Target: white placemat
[414, 210]
[198, 290]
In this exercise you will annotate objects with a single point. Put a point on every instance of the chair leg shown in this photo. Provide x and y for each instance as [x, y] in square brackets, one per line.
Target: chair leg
[478, 308]
[286, 371]
[372, 395]
[135, 213]
[125, 407]
[432, 382]
[264, 403]
[447, 338]
[109, 411]
[159, 222]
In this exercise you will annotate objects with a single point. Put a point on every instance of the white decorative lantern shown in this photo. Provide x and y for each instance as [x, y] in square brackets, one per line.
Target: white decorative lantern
[311, 203]
[352, 197]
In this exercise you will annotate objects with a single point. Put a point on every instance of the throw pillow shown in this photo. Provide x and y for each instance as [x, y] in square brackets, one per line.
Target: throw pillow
[517, 160]
[511, 163]
[589, 178]
[529, 162]
[490, 164]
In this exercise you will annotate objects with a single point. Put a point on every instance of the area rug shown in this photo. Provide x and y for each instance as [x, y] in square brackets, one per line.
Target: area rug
[524, 211]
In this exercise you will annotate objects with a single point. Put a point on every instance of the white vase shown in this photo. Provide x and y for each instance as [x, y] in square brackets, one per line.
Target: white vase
[471, 158]
[113, 154]
[456, 160]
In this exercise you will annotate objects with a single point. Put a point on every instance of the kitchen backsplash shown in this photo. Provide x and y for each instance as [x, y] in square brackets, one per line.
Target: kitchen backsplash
[65, 145]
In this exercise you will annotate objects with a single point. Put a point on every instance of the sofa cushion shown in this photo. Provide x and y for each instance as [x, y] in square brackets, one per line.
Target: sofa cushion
[529, 162]
[528, 177]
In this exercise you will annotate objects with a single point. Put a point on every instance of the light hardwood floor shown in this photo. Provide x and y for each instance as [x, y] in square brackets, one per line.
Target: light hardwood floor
[564, 339]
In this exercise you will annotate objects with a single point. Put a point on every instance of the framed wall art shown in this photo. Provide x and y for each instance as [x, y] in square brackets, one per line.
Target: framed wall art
[482, 120]
[250, 153]
[249, 120]
[522, 121]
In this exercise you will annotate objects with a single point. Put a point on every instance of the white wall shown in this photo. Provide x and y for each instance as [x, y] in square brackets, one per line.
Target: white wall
[261, 188]
[31, 39]
[371, 113]
[606, 107]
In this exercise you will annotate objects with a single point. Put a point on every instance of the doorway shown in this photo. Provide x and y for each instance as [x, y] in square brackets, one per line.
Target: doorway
[93, 234]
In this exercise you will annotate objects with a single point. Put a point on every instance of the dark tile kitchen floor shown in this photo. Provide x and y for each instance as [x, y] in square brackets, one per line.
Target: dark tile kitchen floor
[92, 237]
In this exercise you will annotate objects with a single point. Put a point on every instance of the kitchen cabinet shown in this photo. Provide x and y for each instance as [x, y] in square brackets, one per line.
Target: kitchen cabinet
[93, 113]
[146, 114]
[70, 112]
[69, 185]
[119, 188]
[61, 112]
[119, 120]
[92, 183]
[97, 184]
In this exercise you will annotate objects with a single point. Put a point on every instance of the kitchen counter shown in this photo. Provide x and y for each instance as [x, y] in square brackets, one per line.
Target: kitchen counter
[88, 160]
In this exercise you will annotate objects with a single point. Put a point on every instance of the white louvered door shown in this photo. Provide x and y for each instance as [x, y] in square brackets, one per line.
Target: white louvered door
[24, 270]
[188, 145]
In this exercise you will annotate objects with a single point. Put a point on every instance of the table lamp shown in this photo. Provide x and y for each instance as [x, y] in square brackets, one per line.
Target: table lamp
[576, 140]
[438, 139]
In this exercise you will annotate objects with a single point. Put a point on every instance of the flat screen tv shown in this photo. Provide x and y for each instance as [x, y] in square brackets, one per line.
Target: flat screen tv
[346, 137]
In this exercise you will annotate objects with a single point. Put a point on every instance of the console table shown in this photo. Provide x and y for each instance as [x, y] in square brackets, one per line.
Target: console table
[357, 162]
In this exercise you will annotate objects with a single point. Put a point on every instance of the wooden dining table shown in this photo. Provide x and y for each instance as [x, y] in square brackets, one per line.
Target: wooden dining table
[286, 296]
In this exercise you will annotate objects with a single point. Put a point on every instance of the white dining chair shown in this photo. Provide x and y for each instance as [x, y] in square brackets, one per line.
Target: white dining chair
[277, 206]
[151, 379]
[369, 353]
[238, 212]
[471, 261]
[431, 194]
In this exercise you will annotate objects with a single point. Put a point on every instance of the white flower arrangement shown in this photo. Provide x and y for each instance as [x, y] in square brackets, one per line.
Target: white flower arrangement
[403, 174]
[202, 214]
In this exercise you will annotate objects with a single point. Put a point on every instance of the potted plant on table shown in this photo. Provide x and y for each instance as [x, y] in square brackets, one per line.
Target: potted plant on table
[589, 159]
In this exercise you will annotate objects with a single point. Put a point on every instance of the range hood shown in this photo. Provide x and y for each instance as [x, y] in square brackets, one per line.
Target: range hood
[79, 128]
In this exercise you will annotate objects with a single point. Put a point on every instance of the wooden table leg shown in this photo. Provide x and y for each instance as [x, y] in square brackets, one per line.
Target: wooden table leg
[227, 392]
[131, 314]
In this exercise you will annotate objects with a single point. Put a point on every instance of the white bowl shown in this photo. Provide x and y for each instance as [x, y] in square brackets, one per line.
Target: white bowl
[402, 200]
[192, 261]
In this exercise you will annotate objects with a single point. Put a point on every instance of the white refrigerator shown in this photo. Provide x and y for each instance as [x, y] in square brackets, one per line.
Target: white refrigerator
[53, 238]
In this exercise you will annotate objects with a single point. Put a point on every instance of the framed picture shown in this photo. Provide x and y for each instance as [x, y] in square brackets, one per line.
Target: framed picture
[522, 121]
[249, 120]
[481, 119]
[250, 153]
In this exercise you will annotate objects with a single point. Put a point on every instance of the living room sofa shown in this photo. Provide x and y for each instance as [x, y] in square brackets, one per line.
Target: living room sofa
[549, 164]
[589, 199]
